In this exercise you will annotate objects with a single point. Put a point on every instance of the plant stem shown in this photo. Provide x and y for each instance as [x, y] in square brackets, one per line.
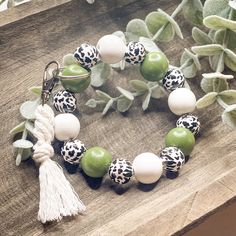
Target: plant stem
[221, 59]
[173, 15]
[20, 151]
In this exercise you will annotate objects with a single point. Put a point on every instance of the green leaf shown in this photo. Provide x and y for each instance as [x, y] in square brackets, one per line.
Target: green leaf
[220, 85]
[208, 50]
[121, 35]
[230, 59]
[69, 59]
[146, 101]
[232, 4]
[22, 143]
[229, 116]
[26, 154]
[21, 154]
[214, 82]
[29, 126]
[155, 21]
[148, 44]
[190, 70]
[100, 74]
[192, 11]
[207, 85]
[200, 37]
[216, 7]
[206, 100]
[228, 96]
[131, 37]
[157, 92]
[123, 104]
[120, 64]
[108, 107]
[212, 33]
[231, 38]
[173, 23]
[91, 103]
[36, 90]
[194, 57]
[139, 85]
[18, 129]
[217, 23]
[138, 27]
[126, 93]
[104, 96]
[214, 63]
[28, 108]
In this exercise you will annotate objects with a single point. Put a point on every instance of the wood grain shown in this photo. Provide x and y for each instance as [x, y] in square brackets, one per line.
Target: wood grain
[169, 207]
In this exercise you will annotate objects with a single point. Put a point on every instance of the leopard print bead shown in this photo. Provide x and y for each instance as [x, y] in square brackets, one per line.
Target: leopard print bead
[87, 55]
[72, 151]
[135, 53]
[64, 101]
[173, 159]
[120, 171]
[190, 122]
[173, 79]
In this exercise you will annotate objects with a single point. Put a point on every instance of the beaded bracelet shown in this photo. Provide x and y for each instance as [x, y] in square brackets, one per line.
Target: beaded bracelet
[154, 67]
[57, 197]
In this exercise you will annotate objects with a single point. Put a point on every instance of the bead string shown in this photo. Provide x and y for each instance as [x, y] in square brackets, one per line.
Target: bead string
[146, 167]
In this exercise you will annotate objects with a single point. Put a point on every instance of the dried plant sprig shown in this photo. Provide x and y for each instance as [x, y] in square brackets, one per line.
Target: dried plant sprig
[219, 46]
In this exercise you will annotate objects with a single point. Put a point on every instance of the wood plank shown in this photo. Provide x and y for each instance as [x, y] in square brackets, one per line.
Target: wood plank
[172, 206]
[27, 9]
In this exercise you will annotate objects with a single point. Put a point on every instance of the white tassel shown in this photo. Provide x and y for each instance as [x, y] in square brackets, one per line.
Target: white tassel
[57, 196]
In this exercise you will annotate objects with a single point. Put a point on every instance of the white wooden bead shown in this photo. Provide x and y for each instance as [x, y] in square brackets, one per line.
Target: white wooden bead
[181, 101]
[67, 126]
[147, 167]
[111, 49]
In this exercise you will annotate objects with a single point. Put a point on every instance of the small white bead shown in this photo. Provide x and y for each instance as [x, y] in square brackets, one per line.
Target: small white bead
[147, 167]
[181, 101]
[111, 49]
[67, 126]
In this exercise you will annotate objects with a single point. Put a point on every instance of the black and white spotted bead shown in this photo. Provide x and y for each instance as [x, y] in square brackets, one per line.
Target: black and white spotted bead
[120, 171]
[173, 159]
[87, 55]
[64, 101]
[135, 53]
[173, 79]
[190, 122]
[72, 151]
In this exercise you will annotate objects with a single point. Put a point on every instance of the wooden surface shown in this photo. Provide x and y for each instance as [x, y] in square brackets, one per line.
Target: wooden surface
[207, 181]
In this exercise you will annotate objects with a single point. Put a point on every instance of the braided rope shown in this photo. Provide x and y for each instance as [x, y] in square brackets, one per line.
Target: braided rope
[57, 196]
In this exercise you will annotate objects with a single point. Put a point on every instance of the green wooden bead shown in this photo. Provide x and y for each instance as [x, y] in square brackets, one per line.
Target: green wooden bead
[74, 69]
[181, 138]
[155, 66]
[96, 161]
[75, 78]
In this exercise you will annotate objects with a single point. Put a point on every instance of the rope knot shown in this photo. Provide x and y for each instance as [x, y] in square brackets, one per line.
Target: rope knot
[42, 152]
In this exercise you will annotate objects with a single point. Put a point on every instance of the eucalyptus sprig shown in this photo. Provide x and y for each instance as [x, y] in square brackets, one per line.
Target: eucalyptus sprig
[22, 148]
[218, 45]
[123, 102]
